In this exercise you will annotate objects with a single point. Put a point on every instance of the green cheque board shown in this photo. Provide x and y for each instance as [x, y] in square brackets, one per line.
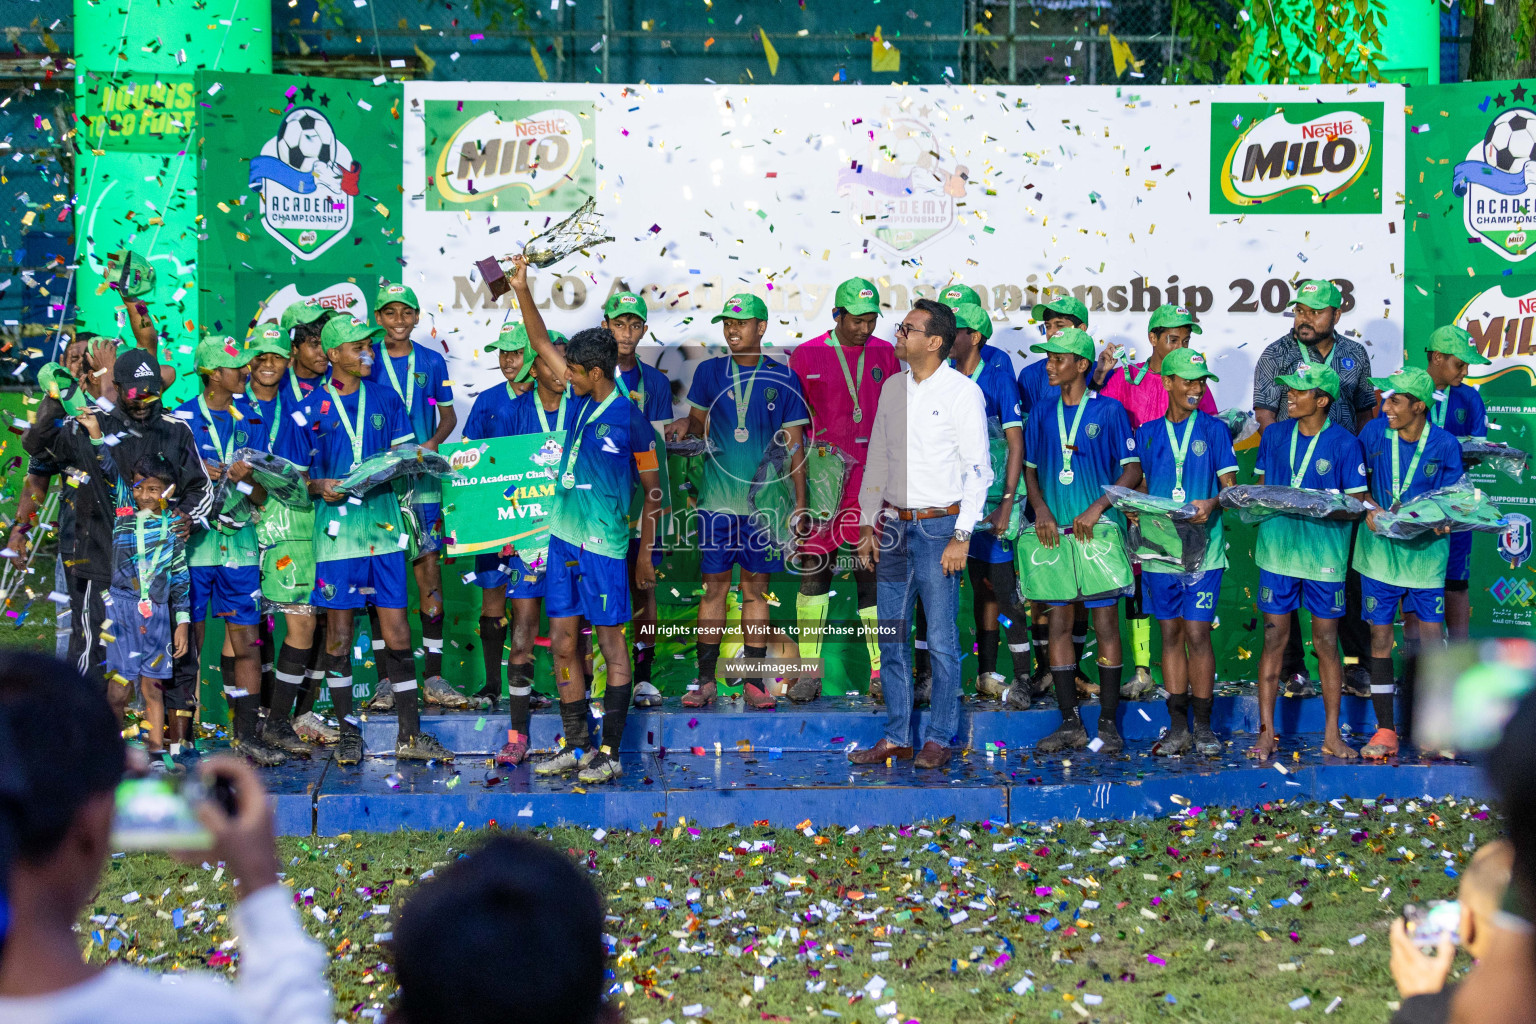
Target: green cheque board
[504, 494]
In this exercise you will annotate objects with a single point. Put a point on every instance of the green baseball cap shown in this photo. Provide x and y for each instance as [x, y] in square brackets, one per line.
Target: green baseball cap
[856, 297]
[220, 351]
[1312, 377]
[972, 317]
[1060, 304]
[959, 294]
[513, 336]
[265, 338]
[1187, 363]
[742, 306]
[625, 302]
[1455, 341]
[1411, 381]
[339, 330]
[305, 311]
[395, 293]
[1318, 295]
[1169, 315]
[1073, 340]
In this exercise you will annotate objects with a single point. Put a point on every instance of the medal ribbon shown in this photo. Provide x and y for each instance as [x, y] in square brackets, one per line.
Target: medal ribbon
[618, 379]
[410, 377]
[353, 435]
[568, 469]
[853, 380]
[743, 399]
[1438, 409]
[538, 405]
[147, 569]
[1297, 475]
[1180, 451]
[277, 412]
[1069, 441]
[213, 431]
[1398, 484]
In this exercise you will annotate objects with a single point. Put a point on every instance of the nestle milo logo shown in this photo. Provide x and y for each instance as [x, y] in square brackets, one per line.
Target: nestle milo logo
[1269, 159]
[469, 458]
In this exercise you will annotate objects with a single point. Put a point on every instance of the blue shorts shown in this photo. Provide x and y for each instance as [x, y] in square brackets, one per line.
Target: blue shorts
[352, 583]
[1169, 595]
[235, 593]
[990, 548]
[1103, 602]
[578, 582]
[494, 571]
[1379, 602]
[1281, 595]
[726, 540]
[634, 550]
[429, 518]
[1460, 565]
[139, 646]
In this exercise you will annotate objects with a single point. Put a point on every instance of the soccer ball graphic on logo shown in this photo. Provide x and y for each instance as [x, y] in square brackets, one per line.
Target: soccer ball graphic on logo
[305, 139]
[1511, 140]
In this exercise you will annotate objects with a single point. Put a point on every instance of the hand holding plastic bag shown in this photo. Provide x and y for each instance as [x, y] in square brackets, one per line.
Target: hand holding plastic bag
[1459, 508]
[402, 462]
[283, 481]
[1162, 530]
[690, 447]
[1255, 503]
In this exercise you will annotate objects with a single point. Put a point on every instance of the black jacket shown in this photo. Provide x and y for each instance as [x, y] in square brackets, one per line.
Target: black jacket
[58, 439]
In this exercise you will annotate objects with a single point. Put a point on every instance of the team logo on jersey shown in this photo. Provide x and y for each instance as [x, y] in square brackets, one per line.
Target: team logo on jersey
[240, 437]
[377, 419]
[421, 380]
[602, 430]
[1431, 468]
[1347, 363]
[329, 590]
[1266, 594]
[771, 394]
[1323, 466]
[1370, 604]
[877, 373]
[513, 577]
[1093, 430]
[1461, 415]
[1198, 447]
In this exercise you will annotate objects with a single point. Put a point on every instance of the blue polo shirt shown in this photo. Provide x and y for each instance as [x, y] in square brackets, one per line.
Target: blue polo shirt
[1208, 456]
[492, 414]
[423, 390]
[320, 445]
[1419, 563]
[772, 403]
[594, 514]
[239, 426]
[1461, 412]
[1304, 548]
[1104, 444]
[1035, 391]
[649, 389]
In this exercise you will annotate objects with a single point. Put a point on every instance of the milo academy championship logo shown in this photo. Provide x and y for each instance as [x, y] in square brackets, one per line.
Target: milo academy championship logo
[308, 183]
[1311, 158]
[902, 185]
[1497, 181]
[509, 156]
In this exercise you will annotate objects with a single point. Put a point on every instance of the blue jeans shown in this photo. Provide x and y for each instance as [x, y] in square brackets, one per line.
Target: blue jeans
[909, 568]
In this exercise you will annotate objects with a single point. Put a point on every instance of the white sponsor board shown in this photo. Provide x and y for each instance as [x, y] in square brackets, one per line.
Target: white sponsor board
[787, 191]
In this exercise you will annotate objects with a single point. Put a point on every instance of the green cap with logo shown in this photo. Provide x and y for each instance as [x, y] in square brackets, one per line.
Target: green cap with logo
[625, 302]
[856, 297]
[1169, 315]
[220, 351]
[339, 330]
[1073, 340]
[1455, 341]
[958, 294]
[269, 338]
[305, 311]
[1318, 295]
[513, 336]
[1064, 304]
[394, 293]
[742, 306]
[972, 317]
[1411, 381]
[1312, 377]
[1187, 363]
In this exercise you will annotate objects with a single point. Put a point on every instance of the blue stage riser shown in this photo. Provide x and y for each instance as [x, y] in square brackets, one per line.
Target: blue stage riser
[836, 722]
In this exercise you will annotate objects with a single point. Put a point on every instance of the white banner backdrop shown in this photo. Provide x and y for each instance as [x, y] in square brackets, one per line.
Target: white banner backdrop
[1217, 198]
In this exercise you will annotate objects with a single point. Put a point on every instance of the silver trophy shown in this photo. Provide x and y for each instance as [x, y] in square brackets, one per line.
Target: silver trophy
[581, 230]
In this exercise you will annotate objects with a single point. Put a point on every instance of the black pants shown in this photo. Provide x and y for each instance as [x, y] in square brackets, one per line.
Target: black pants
[88, 610]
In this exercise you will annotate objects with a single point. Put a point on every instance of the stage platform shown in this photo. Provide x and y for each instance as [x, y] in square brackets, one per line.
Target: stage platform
[787, 766]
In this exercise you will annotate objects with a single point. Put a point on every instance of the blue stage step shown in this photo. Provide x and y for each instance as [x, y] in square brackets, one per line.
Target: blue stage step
[786, 789]
[835, 723]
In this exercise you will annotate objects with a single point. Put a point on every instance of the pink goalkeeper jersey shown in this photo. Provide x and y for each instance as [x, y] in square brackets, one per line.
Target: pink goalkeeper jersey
[1147, 400]
[826, 389]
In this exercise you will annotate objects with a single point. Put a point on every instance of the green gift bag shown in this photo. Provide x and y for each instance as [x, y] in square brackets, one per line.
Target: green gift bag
[1045, 574]
[1103, 567]
[826, 479]
[287, 539]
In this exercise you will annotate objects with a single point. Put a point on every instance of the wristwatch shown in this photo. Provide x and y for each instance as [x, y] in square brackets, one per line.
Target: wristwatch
[963, 536]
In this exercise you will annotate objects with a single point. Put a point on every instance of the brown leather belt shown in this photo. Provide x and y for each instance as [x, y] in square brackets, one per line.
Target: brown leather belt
[925, 513]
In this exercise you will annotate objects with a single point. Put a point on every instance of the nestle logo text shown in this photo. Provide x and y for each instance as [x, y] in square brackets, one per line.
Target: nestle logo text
[1327, 131]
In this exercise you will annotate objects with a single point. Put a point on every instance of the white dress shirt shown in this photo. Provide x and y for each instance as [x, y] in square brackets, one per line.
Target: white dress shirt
[928, 447]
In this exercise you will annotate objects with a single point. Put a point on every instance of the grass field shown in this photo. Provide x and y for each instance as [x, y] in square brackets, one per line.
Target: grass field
[1219, 914]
